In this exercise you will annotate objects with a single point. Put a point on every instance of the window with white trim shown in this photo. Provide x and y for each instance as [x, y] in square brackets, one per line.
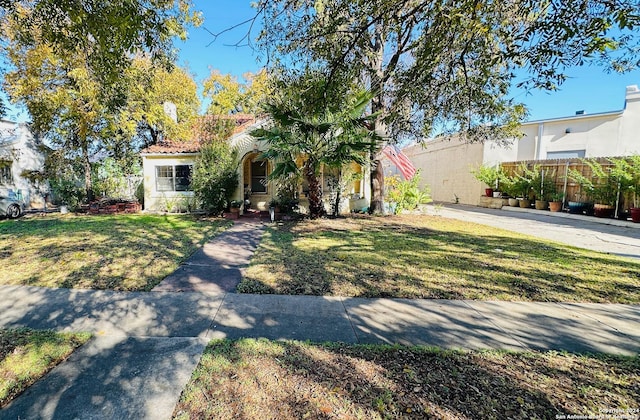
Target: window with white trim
[173, 177]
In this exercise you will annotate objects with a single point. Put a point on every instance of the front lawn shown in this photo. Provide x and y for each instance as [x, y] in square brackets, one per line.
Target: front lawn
[433, 257]
[26, 355]
[122, 252]
[260, 379]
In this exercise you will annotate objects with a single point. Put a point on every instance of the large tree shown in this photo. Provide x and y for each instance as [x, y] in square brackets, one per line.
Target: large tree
[228, 95]
[447, 66]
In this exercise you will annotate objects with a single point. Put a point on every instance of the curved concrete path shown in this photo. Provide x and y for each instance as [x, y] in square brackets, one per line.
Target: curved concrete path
[147, 344]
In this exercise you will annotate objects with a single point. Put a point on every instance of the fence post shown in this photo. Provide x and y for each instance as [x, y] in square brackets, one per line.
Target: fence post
[564, 191]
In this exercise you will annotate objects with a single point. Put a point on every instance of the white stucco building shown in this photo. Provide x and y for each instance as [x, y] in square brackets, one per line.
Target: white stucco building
[167, 169]
[445, 163]
[20, 151]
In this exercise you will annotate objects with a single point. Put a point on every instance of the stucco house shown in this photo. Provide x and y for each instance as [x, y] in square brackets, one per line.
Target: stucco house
[167, 169]
[20, 152]
[445, 163]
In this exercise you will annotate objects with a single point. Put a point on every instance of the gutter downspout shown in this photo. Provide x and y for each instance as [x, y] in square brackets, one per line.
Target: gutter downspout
[538, 142]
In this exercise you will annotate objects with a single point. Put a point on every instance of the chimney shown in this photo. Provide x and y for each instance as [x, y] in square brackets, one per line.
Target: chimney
[581, 112]
[171, 111]
[632, 94]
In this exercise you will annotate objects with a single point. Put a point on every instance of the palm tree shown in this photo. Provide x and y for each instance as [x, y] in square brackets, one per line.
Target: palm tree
[318, 132]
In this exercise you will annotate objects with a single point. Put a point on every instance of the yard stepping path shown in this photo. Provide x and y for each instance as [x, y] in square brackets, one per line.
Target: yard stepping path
[218, 266]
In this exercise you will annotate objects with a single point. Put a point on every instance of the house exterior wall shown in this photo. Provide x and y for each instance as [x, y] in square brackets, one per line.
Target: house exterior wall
[445, 167]
[598, 135]
[18, 145]
[155, 200]
[445, 163]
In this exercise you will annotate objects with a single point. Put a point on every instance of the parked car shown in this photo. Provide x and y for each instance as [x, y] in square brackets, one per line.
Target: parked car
[10, 207]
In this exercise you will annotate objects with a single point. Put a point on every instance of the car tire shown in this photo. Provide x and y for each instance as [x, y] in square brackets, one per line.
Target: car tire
[13, 211]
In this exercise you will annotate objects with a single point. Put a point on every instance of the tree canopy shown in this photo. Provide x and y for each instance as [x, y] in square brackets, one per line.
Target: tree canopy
[230, 96]
[443, 67]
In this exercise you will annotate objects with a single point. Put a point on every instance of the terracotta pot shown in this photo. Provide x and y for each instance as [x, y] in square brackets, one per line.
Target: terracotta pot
[524, 203]
[603, 210]
[541, 204]
[555, 206]
[488, 192]
[635, 214]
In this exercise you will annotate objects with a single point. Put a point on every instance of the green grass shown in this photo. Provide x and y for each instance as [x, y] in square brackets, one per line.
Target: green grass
[26, 355]
[260, 379]
[433, 257]
[122, 252]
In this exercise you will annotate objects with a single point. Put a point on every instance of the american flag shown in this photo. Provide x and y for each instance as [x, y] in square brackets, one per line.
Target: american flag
[401, 161]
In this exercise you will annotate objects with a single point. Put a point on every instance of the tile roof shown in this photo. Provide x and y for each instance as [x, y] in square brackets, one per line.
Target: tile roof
[242, 122]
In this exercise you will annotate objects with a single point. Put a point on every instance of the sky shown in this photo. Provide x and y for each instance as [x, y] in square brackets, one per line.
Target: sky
[589, 88]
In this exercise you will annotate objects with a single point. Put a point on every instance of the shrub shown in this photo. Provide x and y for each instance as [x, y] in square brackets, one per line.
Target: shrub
[215, 176]
[406, 194]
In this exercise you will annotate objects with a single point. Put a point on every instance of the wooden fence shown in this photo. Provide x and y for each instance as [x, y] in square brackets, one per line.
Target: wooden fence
[558, 169]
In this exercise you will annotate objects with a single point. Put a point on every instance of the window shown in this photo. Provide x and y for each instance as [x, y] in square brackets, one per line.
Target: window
[568, 154]
[5, 172]
[173, 178]
[259, 177]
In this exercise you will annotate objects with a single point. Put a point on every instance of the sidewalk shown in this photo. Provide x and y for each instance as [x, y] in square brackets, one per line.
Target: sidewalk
[146, 345]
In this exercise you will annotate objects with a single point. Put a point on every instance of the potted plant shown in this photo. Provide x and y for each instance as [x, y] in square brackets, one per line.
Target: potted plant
[509, 187]
[524, 185]
[627, 173]
[235, 206]
[490, 176]
[545, 188]
[555, 204]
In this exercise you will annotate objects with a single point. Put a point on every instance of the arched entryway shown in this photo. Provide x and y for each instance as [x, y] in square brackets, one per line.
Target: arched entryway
[257, 190]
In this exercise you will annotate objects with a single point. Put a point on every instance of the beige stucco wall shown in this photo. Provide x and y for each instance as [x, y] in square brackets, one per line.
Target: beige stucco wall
[614, 133]
[162, 200]
[445, 168]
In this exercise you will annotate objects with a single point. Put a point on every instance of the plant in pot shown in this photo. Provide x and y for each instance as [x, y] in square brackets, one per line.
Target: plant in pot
[555, 204]
[547, 188]
[509, 186]
[235, 206]
[524, 185]
[580, 203]
[627, 173]
[602, 187]
[490, 176]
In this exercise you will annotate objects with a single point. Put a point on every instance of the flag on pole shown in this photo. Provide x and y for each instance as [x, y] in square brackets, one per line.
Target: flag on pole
[401, 160]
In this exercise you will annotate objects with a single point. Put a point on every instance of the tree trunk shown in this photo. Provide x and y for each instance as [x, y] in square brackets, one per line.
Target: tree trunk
[316, 207]
[376, 173]
[87, 171]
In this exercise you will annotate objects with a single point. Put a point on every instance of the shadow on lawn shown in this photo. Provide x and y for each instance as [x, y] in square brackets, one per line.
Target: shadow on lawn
[399, 260]
[301, 380]
[121, 252]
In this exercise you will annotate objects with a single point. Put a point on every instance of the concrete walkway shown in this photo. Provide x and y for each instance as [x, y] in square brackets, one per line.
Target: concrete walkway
[146, 345]
[219, 265]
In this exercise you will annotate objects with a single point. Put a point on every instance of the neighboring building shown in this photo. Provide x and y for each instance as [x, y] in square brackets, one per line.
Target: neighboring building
[168, 166]
[20, 152]
[445, 163]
